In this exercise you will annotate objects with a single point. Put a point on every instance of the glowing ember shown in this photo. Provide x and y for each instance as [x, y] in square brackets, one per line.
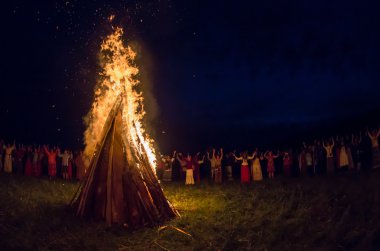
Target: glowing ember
[118, 79]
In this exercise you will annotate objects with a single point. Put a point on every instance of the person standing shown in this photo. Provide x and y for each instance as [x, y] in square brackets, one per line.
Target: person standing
[256, 172]
[287, 163]
[342, 157]
[218, 166]
[28, 171]
[309, 161]
[244, 175]
[168, 167]
[52, 161]
[196, 163]
[66, 157]
[189, 170]
[8, 158]
[212, 161]
[374, 136]
[230, 161]
[329, 156]
[35, 170]
[270, 166]
[357, 151]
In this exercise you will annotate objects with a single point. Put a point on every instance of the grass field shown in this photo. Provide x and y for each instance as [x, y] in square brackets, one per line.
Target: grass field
[320, 213]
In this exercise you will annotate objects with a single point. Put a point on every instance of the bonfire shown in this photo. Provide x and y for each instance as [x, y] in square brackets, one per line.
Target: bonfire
[121, 186]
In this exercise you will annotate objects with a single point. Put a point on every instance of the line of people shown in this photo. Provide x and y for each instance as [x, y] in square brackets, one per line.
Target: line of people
[334, 155]
[41, 161]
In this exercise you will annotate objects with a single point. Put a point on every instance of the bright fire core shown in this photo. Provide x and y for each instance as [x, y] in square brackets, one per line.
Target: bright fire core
[118, 79]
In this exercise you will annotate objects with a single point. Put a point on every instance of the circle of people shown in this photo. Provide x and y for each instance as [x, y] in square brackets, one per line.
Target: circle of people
[321, 157]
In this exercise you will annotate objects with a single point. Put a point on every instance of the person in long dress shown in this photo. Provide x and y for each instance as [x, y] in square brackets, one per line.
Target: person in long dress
[287, 163]
[329, 146]
[342, 157]
[39, 162]
[356, 151]
[28, 171]
[256, 172]
[52, 161]
[270, 166]
[230, 161]
[374, 136]
[8, 158]
[35, 156]
[189, 170]
[244, 176]
[309, 161]
[196, 163]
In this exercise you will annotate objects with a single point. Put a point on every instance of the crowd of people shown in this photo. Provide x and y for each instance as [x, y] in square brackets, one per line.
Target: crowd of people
[40, 161]
[358, 152]
[355, 153]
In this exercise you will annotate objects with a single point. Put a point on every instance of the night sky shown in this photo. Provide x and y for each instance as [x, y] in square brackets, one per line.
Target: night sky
[223, 73]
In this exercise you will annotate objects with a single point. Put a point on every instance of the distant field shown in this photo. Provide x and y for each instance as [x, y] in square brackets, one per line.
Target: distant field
[321, 213]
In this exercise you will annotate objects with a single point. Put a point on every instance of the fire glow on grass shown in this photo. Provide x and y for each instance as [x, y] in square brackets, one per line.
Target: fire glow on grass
[118, 79]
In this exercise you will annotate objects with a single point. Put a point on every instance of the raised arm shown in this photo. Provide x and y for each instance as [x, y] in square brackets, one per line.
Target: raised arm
[202, 160]
[369, 134]
[179, 157]
[237, 158]
[266, 154]
[277, 155]
[221, 153]
[323, 144]
[46, 150]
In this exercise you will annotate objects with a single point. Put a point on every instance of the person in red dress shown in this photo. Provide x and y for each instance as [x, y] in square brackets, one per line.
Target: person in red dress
[245, 176]
[270, 166]
[287, 163]
[38, 170]
[52, 161]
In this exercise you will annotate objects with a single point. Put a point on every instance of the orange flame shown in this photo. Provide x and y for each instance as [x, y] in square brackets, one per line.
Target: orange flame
[119, 80]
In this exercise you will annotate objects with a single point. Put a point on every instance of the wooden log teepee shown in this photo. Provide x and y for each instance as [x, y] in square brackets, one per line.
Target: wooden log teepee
[120, 186]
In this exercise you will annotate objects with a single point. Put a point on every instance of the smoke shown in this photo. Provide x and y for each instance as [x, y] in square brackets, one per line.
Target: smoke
[145, 62]
[146, 69]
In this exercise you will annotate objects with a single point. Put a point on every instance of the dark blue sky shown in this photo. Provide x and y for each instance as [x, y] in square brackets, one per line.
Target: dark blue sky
[231, 73]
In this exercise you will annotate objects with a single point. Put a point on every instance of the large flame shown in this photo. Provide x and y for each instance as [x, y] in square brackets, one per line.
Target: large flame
[118, 79]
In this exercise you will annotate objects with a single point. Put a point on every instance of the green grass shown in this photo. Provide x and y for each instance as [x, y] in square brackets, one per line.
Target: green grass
[321, 213]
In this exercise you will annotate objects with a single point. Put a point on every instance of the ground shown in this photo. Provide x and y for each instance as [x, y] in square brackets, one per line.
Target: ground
[320, 213]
